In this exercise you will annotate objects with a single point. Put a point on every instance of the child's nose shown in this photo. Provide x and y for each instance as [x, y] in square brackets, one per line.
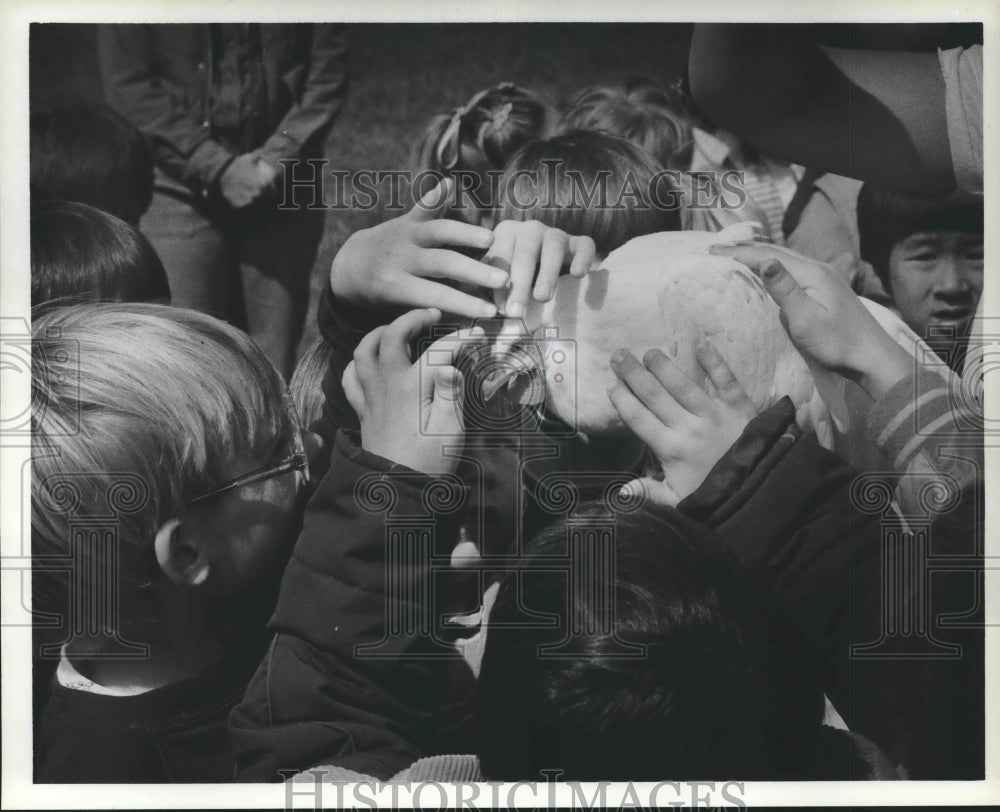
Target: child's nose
[950, 278]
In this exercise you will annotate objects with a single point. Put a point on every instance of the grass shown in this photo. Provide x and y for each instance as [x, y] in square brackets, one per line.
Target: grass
[401, 76]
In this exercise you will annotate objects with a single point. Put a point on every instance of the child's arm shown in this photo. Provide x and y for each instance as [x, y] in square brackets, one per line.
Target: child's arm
[783, 507]
[382, 271]
[397, 264]
[406, 262]
[321, 99]
[354, 582]
[132, 86]
[687, 430]
[920, 419]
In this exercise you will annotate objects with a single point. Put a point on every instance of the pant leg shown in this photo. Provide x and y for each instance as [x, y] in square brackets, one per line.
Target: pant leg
[194, 252]
[276, 259]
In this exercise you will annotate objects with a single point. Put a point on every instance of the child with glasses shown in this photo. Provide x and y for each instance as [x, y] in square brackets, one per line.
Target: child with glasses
[167, 489]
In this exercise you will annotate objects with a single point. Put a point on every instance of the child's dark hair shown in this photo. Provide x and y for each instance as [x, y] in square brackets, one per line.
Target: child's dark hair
[81, 254]
[482, 135]
[590, 184]
[723, 688]
[89, 153]
[639, 111]
[887, 216]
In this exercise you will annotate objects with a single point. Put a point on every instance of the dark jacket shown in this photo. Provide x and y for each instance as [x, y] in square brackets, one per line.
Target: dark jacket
[785, 508]
[313, 700]
[175, 734]
[835, 554]
[160, 78]
[355, 673]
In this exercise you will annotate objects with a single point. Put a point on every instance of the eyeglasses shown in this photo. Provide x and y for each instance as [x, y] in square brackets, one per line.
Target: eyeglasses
[298, 461]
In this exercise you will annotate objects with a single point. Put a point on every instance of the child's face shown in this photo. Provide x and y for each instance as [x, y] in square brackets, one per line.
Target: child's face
[936, 278]
[255, 525]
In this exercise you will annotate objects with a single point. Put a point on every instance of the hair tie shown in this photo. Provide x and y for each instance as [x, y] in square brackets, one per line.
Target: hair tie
[447, 148]
[500, 116]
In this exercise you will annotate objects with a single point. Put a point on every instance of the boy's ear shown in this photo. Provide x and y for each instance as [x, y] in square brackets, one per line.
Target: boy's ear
[181, 557]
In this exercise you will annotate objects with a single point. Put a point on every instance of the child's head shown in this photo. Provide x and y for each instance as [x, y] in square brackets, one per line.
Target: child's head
[713, 693]
[928, 253]
[82, 254]
[176, 426]
[480, 137]
[639, 111]
[89, 153]
[590, 184]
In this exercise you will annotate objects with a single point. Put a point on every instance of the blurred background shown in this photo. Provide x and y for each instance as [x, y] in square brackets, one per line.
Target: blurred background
[401, 76]
[404, 74]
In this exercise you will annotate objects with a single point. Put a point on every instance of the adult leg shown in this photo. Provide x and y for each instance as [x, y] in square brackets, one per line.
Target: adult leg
[276, 260]
[194, 252]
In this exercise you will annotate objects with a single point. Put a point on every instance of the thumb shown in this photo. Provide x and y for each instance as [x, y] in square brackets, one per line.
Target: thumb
[446, 405]
[783, 288]
[433, 204]
[353, 389]
[647, 490]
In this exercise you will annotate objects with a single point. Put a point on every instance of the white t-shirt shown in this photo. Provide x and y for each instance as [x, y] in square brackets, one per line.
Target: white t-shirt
[69, 677]
[962, 69]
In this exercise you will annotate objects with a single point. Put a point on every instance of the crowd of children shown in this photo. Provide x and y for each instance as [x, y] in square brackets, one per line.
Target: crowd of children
[378, 571]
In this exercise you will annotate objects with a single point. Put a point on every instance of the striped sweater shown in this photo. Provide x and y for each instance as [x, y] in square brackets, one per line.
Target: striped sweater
[931, 430]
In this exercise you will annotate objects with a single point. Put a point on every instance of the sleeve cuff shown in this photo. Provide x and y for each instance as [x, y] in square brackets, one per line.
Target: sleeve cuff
[913, 410]
[206, 165]
[348, 443]
[338, 316]
[279, 146]
[762, 442]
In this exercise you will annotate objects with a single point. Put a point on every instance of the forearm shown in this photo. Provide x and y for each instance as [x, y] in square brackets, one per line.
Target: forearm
[322, 98]
[344, 683]
[931, 434]
[342, 324]
[183, 147]
[784, 508]
[781, 504]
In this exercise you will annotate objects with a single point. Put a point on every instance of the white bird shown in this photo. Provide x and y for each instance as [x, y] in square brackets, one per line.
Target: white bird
[666, 291]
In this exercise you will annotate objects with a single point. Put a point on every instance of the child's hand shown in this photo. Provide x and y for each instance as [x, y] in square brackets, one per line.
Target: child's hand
[409, 411]
[688, 430]
[824, 317]
[394, 263]
[521, 248]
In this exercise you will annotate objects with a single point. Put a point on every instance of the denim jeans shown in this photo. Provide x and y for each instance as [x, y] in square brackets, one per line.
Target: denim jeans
[250, 267]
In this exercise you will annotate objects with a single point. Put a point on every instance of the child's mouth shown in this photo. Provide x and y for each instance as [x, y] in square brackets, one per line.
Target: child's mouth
[951, 314]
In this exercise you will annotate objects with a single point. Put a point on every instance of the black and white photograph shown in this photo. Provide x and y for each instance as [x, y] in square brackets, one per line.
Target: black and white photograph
[496, 407]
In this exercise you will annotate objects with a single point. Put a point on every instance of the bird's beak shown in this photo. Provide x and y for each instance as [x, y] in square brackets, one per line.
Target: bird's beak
[517, 371]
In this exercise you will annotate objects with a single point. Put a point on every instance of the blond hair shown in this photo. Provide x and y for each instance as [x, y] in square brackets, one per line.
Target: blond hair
[306, 386]
[137, 408]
